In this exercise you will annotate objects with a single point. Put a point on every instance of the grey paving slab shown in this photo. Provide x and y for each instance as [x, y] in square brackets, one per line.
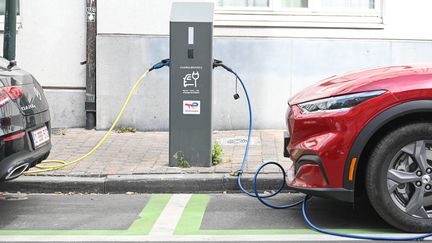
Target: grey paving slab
[71, 212]
[241, 212]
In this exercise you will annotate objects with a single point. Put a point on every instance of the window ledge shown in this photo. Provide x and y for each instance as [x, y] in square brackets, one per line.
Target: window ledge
[2, 21]
[346, 20]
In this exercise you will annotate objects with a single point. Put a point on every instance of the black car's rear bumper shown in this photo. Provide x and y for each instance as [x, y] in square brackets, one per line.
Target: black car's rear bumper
[31, 158]
[21, 152]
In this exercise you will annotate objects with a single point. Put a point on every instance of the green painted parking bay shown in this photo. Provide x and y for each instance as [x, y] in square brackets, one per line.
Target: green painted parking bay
[81, 214]
[237, 214]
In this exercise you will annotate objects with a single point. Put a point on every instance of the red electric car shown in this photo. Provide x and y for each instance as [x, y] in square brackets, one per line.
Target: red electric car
[367, 132]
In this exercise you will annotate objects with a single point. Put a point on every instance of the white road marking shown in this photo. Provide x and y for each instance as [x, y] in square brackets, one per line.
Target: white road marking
[170, 216]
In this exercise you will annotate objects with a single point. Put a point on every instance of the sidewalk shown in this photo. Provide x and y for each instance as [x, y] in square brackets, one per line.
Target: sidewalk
[143, 156]
[147, 152]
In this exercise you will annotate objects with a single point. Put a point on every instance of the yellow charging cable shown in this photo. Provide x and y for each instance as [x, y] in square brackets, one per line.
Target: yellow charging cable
[61, 163]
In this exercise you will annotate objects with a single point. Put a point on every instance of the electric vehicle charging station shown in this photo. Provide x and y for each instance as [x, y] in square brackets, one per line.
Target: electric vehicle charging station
[190, 82]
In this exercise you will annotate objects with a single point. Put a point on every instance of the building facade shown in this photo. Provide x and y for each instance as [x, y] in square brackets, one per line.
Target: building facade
[278, 46]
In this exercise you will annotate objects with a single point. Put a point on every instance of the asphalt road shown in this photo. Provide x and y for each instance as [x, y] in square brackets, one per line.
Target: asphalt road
[176, 218]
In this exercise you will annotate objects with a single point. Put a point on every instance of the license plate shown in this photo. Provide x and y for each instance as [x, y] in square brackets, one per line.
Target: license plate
[40, 136]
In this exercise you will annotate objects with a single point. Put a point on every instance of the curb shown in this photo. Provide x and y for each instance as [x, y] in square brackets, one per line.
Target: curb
[117, 184]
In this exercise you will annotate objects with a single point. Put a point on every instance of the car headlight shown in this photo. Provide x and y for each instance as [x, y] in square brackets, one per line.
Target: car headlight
[338, 103]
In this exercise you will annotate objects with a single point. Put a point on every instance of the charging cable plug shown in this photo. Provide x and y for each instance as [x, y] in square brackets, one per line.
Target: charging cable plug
[219, 63]
[161, 64]
[236, 95]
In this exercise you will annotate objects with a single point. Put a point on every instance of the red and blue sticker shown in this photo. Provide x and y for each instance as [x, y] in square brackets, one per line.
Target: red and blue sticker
[191, 107]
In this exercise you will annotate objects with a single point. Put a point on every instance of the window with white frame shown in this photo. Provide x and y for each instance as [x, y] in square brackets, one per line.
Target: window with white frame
[2, 14]
[3, 5]
[300, 13]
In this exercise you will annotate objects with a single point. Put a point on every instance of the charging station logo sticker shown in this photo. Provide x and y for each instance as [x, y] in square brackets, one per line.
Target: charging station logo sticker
[190, 79]
[191, 107]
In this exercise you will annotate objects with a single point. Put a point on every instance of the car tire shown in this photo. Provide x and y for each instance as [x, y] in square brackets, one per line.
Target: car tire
[394, 185]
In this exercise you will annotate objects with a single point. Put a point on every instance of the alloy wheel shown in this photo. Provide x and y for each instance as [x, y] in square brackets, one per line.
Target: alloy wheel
[409, 179]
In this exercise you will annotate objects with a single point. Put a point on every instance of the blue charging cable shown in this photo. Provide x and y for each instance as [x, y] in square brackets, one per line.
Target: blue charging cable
[360, 237]
[243, 165]
[255, 193]
[303, 202]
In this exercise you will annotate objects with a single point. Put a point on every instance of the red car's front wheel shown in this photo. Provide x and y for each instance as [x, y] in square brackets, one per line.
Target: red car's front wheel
[399, 177]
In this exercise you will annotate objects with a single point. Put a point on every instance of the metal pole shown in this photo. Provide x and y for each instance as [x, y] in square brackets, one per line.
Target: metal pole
[9, 37]
[90, 104]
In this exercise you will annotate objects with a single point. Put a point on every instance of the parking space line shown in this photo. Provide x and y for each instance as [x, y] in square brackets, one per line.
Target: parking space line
[141, 226]
[193, 215]
[148, 216]
[190, 223]
[170, 216]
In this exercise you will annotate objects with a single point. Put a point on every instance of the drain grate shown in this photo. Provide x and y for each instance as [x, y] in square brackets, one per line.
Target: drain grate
[239, 140]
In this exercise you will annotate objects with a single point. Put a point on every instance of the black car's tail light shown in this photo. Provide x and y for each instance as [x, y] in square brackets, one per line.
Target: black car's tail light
[8, 94]
[14, 136]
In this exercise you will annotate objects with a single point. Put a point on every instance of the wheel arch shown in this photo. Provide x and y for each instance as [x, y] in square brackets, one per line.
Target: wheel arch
[376, 128]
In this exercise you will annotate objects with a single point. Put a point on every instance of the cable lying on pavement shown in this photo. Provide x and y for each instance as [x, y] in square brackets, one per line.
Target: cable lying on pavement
[46, 165]
[303, 202]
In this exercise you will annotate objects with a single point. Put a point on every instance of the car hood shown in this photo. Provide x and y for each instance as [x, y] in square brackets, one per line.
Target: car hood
[360, 81]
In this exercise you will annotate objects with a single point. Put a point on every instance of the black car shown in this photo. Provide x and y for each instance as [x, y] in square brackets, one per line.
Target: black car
[25, 129]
